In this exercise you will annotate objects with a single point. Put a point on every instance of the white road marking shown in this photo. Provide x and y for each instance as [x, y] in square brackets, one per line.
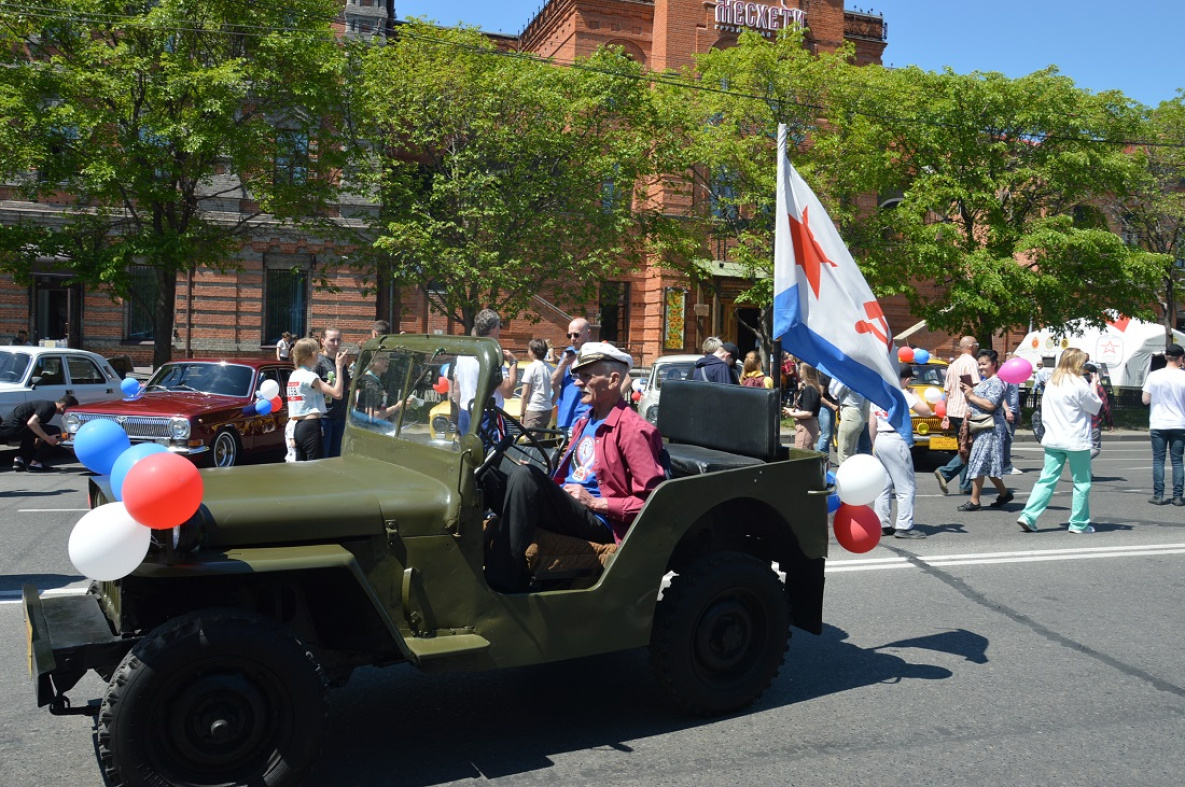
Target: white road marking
[47, 510]
[14, 596]
[993, 558]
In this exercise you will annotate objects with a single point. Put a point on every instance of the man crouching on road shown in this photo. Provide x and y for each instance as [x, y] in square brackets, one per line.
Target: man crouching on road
[611, 466]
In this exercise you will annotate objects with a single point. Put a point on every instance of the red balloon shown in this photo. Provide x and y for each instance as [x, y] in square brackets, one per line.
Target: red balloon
[277, 403]
[637, 396]
[905, 355]
[857, 528]
[940, 409]
[441, 386]
[162, 490]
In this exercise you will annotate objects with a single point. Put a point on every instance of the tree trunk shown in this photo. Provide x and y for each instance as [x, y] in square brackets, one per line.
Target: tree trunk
[164, 313]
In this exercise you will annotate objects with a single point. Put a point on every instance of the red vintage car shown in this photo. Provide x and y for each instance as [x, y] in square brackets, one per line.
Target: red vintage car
[202, 409]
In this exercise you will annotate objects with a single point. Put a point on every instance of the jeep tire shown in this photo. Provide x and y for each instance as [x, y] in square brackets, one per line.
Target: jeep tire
[720, 633]
[216, 697]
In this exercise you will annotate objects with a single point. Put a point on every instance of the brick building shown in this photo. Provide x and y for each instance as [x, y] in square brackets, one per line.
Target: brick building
[651, 312]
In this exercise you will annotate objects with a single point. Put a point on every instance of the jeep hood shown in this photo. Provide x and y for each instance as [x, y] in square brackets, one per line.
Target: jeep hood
[326, 500]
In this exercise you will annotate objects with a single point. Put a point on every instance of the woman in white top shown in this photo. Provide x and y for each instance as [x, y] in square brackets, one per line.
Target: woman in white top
[536, 396]
[306, 398]
[1066, 409]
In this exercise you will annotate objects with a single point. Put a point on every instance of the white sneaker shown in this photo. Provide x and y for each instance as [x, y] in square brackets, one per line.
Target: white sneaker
[1016, 471]
[1087, 529]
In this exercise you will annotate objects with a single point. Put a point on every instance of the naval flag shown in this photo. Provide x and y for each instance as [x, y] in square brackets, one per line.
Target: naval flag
[824, 311]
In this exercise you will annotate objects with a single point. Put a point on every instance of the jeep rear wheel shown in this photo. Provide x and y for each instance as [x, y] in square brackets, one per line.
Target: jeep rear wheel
[218, 697]
[720, 633]
[226, 448]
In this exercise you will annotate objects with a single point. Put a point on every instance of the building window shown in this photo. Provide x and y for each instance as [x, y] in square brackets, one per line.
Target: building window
[286, 296]
[292, 156]
[138, 306]
[615, 312]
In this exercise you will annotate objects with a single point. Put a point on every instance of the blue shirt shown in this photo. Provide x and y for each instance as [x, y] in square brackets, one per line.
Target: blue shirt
[569, 408]
[583, 468]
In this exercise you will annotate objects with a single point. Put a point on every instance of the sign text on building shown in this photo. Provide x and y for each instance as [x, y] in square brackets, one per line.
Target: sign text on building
[734, 14]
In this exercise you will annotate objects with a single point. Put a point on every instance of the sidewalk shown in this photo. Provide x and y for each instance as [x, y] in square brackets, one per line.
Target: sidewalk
[1026, 435]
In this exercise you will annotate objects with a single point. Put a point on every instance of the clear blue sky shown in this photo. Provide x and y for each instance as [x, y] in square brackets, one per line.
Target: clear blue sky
[1132, 45]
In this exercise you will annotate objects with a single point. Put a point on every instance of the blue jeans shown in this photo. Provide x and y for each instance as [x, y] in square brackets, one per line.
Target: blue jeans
[332, 430]
[826, 429]
[1172, 441]
[955, 466]
[1055, 461]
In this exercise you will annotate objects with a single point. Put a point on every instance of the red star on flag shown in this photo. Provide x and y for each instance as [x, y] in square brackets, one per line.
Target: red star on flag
[807, 251]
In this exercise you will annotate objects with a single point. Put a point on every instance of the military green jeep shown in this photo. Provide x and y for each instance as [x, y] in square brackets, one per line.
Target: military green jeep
[220, 647]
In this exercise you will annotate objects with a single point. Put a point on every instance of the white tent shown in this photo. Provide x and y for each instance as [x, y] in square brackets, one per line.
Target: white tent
[1126, 346]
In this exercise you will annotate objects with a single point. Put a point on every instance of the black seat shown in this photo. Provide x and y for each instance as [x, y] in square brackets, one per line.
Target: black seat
[711, 427]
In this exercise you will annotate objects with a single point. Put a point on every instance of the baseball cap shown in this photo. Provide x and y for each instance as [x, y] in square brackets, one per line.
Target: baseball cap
[592, 352]
[1174, 350]
[732, 350]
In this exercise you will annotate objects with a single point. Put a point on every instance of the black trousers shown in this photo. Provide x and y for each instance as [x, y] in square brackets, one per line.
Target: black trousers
[28, 450]
[307, 435]
[529, 500]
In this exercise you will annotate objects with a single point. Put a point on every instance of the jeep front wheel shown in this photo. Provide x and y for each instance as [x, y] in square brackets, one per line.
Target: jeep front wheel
[218, 697]
[720, 633]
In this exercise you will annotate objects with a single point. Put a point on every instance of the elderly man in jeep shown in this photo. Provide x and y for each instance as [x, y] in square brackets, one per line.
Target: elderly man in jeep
[611, 465]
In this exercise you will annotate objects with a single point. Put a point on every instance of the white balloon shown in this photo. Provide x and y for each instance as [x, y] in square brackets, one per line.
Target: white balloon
[107, 543]
[932, 395]
[269, 389]
[860, 479]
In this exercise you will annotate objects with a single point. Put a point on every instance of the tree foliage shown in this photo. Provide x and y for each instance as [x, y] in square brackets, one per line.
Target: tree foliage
[161, 132]
[1000, 182]
[501, 177]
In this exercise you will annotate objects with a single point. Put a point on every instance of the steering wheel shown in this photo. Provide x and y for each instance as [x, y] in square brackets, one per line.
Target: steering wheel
[513, 441]
[9, 377]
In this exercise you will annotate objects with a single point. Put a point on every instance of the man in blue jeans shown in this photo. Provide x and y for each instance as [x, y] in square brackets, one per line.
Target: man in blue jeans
[1164, 391]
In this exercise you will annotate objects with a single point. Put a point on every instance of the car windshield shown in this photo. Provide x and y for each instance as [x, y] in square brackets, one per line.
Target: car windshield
[405, 393]
[13, 366]
[220, 379]
[925, 374]
[672, 371]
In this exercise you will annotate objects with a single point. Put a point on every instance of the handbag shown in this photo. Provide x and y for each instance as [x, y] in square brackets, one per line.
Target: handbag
[980, 423]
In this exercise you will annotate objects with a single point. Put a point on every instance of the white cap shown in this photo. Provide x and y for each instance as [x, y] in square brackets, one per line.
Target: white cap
[592, 352]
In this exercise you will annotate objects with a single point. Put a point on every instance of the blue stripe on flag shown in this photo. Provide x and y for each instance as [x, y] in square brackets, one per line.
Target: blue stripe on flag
[809, 346]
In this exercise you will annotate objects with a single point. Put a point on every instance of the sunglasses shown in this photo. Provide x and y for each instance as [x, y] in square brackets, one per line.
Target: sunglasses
[573, 336]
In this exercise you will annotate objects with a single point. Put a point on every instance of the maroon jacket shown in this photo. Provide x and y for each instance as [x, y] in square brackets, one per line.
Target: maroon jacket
[627, 449]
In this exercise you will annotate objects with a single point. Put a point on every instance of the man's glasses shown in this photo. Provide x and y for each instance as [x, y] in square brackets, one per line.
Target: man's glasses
[573, 336]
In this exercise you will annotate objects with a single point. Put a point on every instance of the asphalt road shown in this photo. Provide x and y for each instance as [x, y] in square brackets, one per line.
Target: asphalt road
[981, 655]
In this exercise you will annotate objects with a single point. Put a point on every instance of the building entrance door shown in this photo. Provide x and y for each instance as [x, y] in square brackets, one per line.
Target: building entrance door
[57, 310]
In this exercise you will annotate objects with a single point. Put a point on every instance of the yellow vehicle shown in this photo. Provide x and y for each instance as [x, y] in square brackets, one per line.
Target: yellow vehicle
[928, 433]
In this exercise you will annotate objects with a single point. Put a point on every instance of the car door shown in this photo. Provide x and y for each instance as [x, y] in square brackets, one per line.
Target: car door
[48, 380]
[88, 381]
[273, 439]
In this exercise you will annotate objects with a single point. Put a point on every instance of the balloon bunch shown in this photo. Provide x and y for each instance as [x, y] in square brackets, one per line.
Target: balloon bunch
[268, 398]
[154, 489]
[858, 481]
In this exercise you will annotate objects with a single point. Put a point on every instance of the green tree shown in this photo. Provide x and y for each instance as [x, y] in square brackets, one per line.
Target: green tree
[730, 156]
[162, 133]
[501, 177]
[1152, 213]
[999, 183]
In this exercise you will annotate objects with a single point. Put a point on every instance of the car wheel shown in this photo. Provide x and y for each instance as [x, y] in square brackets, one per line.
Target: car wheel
[226, 448]
[217, 697]
[720, 633]
[652, 415]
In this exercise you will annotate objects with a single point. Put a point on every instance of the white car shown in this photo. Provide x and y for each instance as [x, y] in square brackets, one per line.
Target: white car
[31, 373]
[667, 367]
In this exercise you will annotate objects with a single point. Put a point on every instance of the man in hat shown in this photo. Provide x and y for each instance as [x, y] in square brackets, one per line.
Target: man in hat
[718, 366]
[1164, 390]
[610, 468]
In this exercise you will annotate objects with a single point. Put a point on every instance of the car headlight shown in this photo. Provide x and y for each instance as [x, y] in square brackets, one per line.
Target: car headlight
[179, 428]
[71, 421]
[923, 427]
[441, 425]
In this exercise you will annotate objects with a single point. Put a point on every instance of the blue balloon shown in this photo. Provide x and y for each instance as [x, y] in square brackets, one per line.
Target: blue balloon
[125, 461]
[830, 478]
[921, 356]
[263, 406]
[99, 443]
[129, 386]
[832, 503]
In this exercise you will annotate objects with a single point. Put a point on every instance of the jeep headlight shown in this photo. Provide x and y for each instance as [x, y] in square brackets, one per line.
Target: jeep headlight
[71, 421]
[179, 428]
